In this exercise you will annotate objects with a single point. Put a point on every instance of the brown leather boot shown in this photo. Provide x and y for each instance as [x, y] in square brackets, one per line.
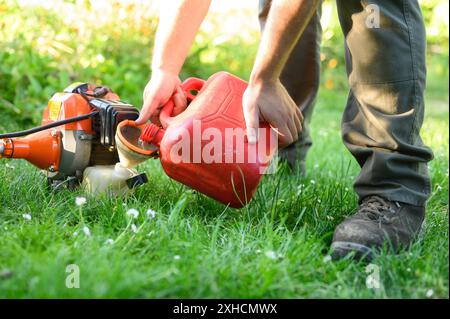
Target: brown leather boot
[377, 222]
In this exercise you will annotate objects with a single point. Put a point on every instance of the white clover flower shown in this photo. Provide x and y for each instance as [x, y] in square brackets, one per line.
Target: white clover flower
[100, 58]
[9, 166]
[177, 257]
[271, 255]
[27, 216]
[109, 241]
[258, 251]
[134, 228]
[312, 181]
[429, 293]
[79, 201]
[150, 213]
[86, 231]
[133, 213]
[75, 234]
[326, 259]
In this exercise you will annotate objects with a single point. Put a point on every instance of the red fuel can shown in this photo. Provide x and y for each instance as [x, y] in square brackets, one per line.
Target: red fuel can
[206, 148]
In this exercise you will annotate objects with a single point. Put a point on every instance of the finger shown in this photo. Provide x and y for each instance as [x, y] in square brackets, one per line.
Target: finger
[300, 114]
[293, 129]
[155, 117]
[298, 122]
[251, 116]
[150, 105]
[179, 90]
[284, 135]
[180, 101]
[146, 92]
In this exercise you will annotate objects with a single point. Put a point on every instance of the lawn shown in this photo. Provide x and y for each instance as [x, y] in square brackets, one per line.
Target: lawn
[195, 247]
[276, 247]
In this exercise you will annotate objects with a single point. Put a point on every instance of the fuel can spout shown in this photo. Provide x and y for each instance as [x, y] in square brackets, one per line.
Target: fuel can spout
[132, 148]
[42, 149]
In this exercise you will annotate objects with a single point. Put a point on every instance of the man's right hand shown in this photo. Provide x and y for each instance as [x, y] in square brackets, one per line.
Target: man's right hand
[162, 86]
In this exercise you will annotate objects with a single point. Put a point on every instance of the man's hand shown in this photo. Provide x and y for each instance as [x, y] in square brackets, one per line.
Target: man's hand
[269, 101]
[179, 22]
[162, 86]
[266, 98]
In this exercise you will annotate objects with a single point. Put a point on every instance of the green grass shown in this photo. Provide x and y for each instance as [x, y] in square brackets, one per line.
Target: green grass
[222, 252]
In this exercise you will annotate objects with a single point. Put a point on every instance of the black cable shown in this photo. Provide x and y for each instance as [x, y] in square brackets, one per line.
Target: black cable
[48, 126]
[98, 92]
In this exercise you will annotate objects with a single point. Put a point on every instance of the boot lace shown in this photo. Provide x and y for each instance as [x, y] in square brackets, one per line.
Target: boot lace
[377, 208]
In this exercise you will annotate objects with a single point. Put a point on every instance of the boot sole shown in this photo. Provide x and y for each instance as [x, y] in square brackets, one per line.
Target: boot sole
[341, 249]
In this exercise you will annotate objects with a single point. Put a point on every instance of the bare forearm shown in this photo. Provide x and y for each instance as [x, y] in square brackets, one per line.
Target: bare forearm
[286, 22]
[179, 22]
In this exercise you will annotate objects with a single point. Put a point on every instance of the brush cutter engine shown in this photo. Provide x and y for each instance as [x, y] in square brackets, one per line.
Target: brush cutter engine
[78, 130]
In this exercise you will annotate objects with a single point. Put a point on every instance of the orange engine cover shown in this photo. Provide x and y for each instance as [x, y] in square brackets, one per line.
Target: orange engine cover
[44, 149]
[66, 105]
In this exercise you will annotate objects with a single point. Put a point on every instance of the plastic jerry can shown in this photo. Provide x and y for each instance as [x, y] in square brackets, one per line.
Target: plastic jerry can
[205, 147]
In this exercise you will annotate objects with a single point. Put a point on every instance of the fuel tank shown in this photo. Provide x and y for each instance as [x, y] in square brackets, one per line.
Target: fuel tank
[206, 148]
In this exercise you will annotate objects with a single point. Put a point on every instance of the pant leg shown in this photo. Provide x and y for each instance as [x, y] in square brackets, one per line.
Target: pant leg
[301, 76]
[385, 108]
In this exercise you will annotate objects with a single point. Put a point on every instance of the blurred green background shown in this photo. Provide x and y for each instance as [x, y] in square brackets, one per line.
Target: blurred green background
[46, 45]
